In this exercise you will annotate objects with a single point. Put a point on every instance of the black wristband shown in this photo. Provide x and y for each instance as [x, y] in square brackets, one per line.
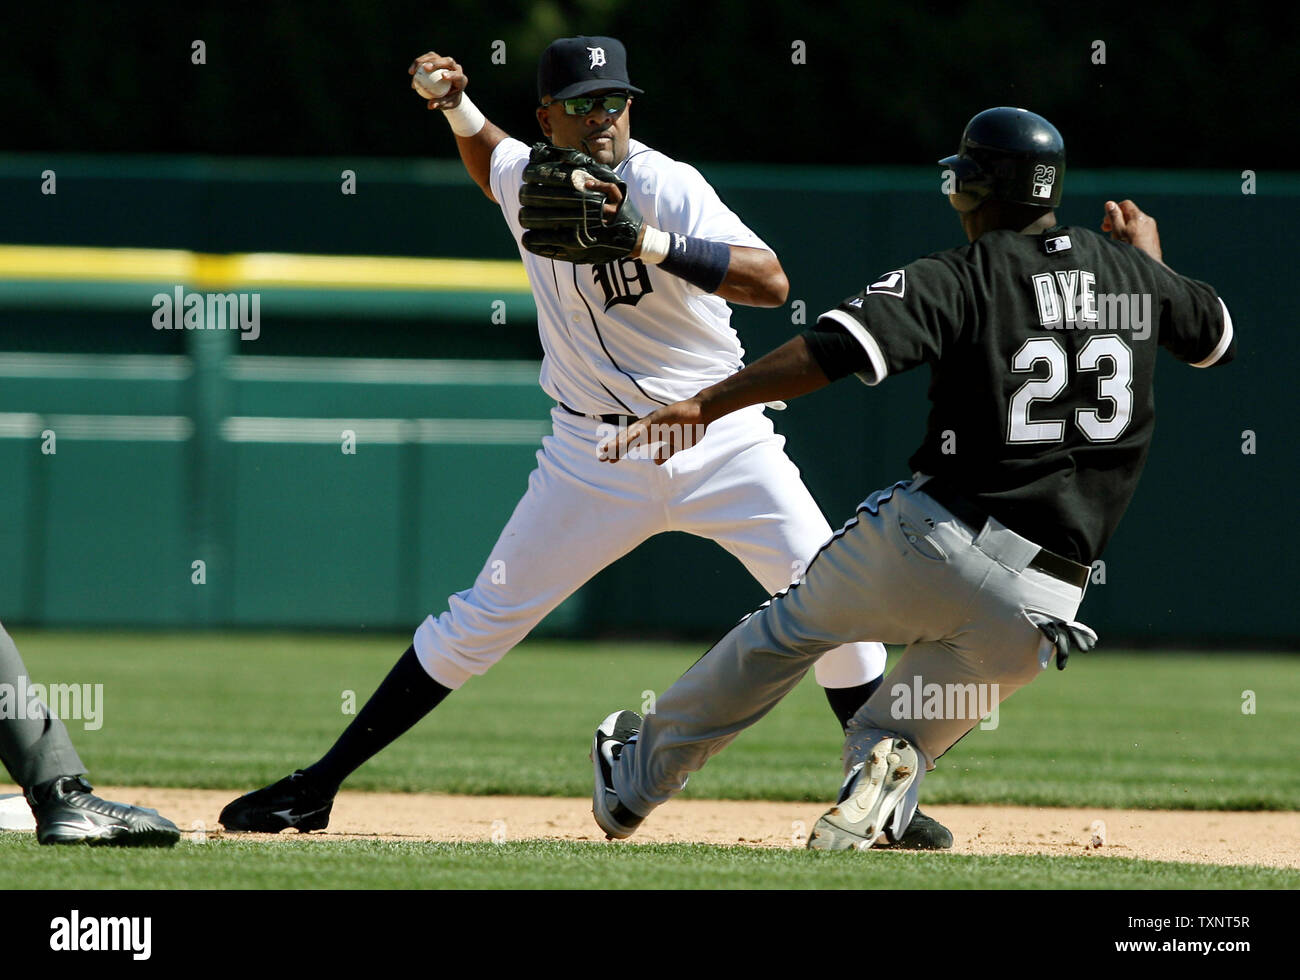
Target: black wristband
[699, 261]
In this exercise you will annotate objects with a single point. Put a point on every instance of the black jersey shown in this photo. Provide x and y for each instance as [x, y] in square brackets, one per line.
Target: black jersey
[1042, 350]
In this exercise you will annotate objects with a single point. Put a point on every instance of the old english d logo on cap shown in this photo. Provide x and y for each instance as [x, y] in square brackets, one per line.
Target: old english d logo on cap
[574, 66]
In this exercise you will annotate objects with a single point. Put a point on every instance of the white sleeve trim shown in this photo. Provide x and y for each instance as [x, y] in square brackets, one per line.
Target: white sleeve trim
[868, 342]
[1224, 339]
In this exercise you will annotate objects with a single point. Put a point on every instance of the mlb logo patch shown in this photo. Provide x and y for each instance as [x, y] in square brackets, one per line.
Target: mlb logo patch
[892, 283]
[1044, 178]
[1058, 244]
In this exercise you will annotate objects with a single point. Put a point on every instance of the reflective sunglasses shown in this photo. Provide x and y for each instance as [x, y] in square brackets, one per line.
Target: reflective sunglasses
[583, 104]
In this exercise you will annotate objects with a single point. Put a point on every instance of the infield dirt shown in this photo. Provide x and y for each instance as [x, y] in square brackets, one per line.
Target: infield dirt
[1206, 837]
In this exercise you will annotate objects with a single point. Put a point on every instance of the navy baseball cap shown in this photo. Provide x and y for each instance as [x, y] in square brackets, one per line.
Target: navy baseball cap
[574, 66]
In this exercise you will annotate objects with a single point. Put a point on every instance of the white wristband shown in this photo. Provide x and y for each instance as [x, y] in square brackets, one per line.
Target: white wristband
[655, 245]
[465, 119]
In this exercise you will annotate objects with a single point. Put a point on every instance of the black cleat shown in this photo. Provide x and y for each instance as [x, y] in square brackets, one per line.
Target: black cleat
[294, 801]
[616, 820]
[923, 834]
[67, 812]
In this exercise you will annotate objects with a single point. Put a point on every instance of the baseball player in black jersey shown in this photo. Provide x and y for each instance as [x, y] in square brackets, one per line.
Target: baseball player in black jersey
[1041, 341]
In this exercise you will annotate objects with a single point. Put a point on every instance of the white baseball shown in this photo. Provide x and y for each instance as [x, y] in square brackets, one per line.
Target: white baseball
[579, 179]
[431, 84]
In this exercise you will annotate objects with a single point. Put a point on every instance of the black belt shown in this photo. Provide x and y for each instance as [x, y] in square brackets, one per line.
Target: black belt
[974, 517]
[622, 421]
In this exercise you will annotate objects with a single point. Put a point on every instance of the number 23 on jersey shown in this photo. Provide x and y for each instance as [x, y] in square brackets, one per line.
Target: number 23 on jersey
[1101, 354]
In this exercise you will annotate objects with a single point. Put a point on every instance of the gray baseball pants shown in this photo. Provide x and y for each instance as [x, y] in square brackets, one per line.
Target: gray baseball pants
[33, 749]
[903, 571]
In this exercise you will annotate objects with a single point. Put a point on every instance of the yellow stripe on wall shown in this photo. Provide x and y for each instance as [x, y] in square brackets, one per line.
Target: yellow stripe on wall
[98, 264]
[265, 269]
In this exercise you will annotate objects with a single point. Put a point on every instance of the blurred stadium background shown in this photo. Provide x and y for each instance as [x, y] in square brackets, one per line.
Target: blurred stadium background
[400, 313]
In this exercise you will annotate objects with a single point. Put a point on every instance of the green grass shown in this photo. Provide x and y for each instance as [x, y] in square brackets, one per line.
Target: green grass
[236, 711]
[291, 864]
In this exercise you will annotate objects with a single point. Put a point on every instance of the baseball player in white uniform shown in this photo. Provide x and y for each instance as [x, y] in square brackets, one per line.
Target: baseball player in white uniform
[620, 340]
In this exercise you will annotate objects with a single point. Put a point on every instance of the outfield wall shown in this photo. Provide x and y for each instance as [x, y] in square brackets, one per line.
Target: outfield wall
[175, 446]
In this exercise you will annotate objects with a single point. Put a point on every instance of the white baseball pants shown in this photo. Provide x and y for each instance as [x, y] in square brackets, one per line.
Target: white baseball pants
[736, 487]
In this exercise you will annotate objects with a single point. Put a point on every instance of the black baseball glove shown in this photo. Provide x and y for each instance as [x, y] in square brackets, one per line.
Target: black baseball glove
[564, 220]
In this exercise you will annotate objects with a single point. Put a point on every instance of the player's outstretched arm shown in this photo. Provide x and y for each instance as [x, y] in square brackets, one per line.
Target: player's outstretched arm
[476, 137]
[754, 278]
[785, 373]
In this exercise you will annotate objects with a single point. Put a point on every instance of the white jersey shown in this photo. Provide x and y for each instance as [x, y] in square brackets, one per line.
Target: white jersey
[626, 337]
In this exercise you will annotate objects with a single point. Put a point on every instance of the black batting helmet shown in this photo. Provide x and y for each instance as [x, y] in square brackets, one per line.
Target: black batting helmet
[1010, 155]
